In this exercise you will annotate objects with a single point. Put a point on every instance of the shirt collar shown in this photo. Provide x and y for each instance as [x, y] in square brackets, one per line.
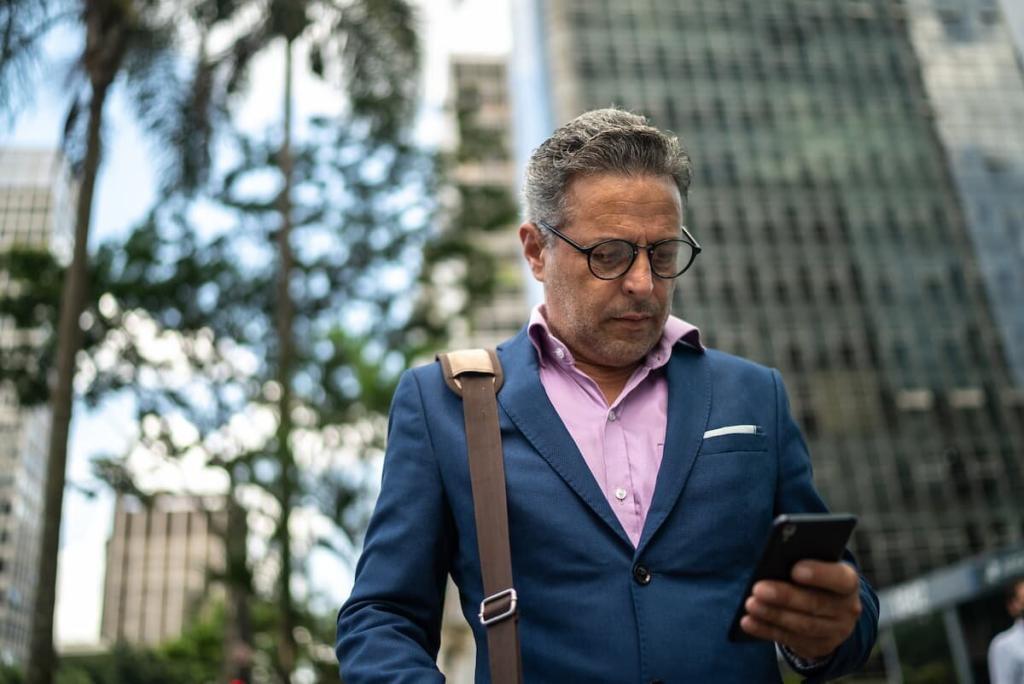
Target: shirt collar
[550, 348]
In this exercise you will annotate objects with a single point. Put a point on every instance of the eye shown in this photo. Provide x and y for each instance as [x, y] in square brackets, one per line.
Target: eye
[611, 254]
[666, 256]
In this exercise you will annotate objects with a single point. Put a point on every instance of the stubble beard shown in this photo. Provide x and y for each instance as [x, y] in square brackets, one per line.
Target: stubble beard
[592, 336]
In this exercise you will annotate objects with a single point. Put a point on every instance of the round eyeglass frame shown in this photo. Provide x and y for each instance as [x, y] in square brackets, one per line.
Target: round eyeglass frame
[687, 238]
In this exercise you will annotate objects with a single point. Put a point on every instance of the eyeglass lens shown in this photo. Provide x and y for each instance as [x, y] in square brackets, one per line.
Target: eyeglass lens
[613, 258]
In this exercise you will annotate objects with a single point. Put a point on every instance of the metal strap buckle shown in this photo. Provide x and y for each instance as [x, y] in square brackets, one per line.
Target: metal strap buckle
[509, 612]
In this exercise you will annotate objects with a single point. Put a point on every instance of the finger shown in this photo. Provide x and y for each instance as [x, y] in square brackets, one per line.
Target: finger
[806, 600]
[839, 578]
[803, 646]
[806, 625]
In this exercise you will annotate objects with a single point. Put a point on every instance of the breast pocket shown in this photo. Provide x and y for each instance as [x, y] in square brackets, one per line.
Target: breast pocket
[734, 442]
[728, 503]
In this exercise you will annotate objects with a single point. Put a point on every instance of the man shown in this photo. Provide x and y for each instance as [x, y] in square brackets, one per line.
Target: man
[642, 470]
[1006, 652]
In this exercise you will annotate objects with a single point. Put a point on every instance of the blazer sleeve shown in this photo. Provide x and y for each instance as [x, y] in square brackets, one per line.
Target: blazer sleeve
[389, 628]
[796, 493]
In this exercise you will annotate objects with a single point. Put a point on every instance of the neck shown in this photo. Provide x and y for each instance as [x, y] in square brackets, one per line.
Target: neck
[611, 380]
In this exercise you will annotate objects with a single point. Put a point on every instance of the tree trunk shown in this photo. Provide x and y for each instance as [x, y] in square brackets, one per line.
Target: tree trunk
[238, 636]
[285, 316]
[42, 657]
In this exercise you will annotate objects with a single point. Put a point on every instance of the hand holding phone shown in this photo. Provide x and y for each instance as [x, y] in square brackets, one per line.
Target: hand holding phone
[796, 537]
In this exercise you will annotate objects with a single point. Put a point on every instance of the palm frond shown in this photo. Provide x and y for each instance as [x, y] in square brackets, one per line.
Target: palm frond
[170, 99]
[24, 24]
[381, 56]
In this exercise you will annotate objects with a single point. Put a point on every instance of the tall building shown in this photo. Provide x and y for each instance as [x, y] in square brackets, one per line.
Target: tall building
[161, 560]
[1014, 13]
[975, 84]
[852, 209]
[485, 176]
[36, 210]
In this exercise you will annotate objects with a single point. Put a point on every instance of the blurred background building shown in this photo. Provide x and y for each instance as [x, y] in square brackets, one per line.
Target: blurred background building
[162, 560]
[485, 173]
[973, 80]
[36, 210]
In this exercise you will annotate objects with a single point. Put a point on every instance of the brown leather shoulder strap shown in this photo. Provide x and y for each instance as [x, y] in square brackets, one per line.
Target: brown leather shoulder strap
[476, 376]
[484, 361]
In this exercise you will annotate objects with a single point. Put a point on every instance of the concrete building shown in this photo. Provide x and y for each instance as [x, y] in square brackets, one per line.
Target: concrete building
[36, 210]
[485, 176]
[160, 565]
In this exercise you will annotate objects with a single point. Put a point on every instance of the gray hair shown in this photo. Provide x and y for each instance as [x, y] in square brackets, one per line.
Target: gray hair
[598, 141]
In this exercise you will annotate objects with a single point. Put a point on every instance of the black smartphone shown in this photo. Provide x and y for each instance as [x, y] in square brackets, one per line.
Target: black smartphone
[796, 537]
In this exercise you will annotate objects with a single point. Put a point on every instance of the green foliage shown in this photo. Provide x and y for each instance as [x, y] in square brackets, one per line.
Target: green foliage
[181, 315]
[128, 665]
[29, 303]
[10, 675]
[193, 658]
[200, 648]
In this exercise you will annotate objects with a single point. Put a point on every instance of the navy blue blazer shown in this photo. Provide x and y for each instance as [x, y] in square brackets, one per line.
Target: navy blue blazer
[583, 618]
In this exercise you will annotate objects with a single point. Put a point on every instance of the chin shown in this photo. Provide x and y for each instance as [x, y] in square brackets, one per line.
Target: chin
[618, 353]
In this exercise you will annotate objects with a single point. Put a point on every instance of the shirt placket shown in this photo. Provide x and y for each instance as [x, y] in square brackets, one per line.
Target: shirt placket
[619, 473]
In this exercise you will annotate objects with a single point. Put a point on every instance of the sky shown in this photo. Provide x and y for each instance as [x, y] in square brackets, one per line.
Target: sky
[125, 190]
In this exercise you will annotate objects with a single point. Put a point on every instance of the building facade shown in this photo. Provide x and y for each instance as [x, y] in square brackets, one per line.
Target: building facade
[973, 79]
[36, 210]
[484, 174]
[842, 216]
[161, 563]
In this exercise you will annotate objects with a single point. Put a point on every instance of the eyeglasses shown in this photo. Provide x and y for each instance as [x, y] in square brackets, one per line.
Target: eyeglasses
[611, 259]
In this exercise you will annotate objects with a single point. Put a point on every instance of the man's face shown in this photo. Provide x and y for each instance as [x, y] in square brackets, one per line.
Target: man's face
[1016, 604]
[607, 323]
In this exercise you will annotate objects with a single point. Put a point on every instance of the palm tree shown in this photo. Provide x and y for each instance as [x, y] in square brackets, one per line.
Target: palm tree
[372, 43]
[129, 38]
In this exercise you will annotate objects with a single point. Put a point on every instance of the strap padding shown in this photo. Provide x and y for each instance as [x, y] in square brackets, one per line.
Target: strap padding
[462, 361]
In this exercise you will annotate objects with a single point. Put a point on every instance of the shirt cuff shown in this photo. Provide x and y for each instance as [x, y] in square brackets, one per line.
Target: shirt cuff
[802, 666]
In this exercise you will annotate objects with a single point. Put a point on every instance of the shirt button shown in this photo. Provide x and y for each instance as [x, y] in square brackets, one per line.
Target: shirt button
[620, 493]
[612, 416]
[559, 353]
[641, 575]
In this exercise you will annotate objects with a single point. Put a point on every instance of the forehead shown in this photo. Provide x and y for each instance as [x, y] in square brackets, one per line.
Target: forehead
[613, 199]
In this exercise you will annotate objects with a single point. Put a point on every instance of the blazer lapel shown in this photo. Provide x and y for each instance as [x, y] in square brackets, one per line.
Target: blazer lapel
[689, 407]
[524, 400]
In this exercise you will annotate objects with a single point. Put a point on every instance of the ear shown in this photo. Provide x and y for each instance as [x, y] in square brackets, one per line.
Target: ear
[533, 249]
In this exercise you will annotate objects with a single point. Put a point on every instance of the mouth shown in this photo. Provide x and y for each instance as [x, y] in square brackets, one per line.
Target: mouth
[636, 321]
[633, 317]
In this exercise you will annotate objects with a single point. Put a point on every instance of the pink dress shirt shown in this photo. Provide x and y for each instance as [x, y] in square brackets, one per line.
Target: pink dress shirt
[623, 443]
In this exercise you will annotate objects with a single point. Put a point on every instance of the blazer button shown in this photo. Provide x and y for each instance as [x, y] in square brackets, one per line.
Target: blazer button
[641, 575]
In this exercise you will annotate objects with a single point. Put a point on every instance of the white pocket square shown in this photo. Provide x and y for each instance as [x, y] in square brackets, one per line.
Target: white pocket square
[734, 430]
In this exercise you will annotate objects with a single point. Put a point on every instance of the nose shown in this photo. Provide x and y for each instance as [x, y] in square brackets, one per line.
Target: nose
[639, 280]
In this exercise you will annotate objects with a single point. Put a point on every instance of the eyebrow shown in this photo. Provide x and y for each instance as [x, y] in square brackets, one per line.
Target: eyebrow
[678, 235]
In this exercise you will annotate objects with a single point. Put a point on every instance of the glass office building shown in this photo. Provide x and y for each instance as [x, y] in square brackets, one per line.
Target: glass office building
[37, 197]
[861, 218]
